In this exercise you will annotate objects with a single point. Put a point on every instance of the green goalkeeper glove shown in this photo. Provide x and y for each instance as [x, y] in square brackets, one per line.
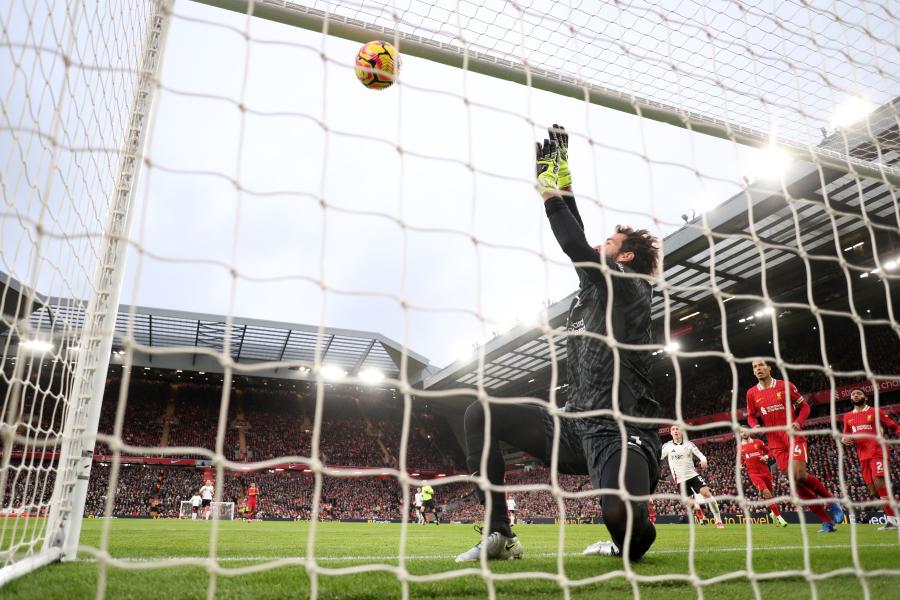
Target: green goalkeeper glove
[559, 135]
[547, 163]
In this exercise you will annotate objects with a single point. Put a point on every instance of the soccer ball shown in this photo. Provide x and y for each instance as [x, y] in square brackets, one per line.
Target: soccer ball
[377, 64]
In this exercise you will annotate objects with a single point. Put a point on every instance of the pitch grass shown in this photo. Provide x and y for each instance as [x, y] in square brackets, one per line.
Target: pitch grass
[430, 550]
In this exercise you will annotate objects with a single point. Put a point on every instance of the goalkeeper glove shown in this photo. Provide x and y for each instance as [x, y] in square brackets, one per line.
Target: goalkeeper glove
[559, 135]
[547, 163]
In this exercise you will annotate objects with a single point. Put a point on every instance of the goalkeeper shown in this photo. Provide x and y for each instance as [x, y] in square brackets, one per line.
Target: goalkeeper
[610, 285]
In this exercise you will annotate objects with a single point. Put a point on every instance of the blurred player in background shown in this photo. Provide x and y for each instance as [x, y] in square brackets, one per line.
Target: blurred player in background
[206, 494]
[511, 510]
[755, 456]
[195, 506]
[781, 405]
[681, 453]
[874, 461]
[252, 498]
[418, 506]
[428, 504]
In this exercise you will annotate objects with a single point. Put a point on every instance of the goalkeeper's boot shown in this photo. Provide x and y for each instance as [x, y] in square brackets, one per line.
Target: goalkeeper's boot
[780, 522]
[602, 549]
[837, 513]
[827, 527]
[498, 547]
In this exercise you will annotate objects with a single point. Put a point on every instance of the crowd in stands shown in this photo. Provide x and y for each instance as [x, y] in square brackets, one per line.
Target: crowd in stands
[265, 424]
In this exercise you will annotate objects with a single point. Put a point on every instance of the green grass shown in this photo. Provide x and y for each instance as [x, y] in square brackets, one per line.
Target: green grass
[431, 550]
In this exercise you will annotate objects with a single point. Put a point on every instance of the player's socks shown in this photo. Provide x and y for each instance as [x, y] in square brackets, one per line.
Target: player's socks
[776, 512]
[888, 509]
[817, 509]
[816, 487]
[714, 506]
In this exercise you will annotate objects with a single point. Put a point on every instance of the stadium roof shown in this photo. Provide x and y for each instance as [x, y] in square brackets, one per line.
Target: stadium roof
[754, 230]
[191, 341]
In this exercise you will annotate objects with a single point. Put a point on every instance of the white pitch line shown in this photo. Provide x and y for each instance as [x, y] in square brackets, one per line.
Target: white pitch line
[382, 558]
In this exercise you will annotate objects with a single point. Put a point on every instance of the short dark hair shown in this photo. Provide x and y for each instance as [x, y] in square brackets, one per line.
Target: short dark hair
[644, 246]
[859, 389]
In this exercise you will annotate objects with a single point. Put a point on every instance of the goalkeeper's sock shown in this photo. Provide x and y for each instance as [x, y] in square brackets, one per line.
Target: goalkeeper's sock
[816, 487]
[888, 509]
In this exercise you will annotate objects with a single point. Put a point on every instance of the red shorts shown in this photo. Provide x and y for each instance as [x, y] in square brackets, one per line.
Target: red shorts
[762, 481]
[872, 468]
[783, 457]
[251, 504]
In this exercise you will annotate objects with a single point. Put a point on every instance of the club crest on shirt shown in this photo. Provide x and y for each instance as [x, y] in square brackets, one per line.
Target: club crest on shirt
[779, 395]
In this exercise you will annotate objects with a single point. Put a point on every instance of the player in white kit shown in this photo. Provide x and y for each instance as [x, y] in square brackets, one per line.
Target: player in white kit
[681, 453]
[511, 509]
[420, 518]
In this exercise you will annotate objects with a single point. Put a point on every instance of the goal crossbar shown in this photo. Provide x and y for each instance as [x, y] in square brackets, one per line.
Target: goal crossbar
[341, 26]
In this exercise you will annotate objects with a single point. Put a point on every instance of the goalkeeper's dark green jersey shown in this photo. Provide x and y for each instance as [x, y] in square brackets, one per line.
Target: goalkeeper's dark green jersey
[590, 361]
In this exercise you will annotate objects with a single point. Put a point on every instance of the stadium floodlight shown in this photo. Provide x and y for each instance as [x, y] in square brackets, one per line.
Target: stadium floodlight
[464, 352]
[770, 163]
[851, 111]
[332, 373]
[371, 376]
[706, 202]
[37, 346]
[672, 347]
[890, 265]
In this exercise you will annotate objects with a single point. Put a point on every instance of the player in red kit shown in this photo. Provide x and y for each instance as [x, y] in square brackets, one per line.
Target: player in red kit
[252, 496]
[755, 456]
[781, 405]
[872, 457]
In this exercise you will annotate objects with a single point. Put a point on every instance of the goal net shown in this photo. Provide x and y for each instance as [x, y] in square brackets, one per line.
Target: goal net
[217, 510]
[220, 160]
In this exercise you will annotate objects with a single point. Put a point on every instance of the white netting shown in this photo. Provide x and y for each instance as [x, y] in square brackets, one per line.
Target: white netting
[70, 76]
[275, 187]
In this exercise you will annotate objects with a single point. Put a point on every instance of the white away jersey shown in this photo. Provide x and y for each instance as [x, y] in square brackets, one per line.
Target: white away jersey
[681, 459]
[511, 504]
[418, 499]
[195, 500]
[206, 492]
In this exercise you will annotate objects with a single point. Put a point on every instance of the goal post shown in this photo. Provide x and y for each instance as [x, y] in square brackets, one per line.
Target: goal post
[447, 51]
[85, 349]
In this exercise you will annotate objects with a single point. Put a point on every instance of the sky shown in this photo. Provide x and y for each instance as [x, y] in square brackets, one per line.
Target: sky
[409, 212]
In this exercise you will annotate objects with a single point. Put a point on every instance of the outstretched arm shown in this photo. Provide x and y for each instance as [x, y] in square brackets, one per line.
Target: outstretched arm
[566, 225]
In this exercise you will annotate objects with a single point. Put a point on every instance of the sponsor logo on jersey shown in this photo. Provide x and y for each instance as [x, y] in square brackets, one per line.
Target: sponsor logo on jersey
[576, 325]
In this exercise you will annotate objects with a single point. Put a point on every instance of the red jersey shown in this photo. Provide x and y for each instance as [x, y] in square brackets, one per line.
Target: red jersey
[752, 453]
[253, 492]
[863, 421]
[772, 403]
